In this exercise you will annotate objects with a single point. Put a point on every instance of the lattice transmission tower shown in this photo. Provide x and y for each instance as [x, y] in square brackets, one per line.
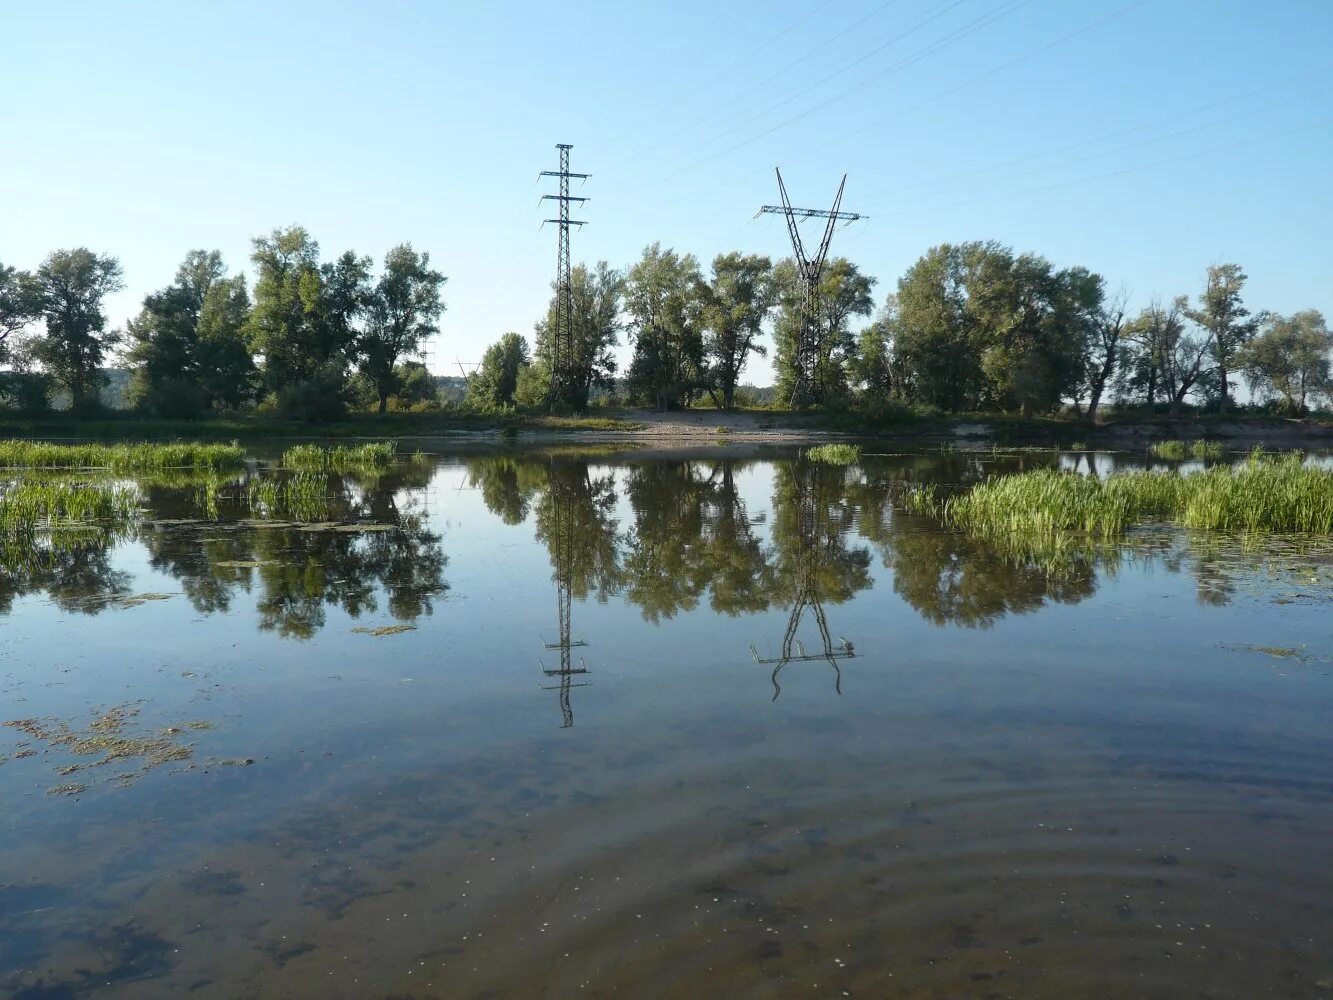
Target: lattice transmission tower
[809, 269]
[562, 334]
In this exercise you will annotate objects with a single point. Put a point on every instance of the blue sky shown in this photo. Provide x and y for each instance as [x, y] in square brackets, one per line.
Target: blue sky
[1141, 138]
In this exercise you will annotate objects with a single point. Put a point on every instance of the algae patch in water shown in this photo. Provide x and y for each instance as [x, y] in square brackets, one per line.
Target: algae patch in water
[108, 738]
[384, 630]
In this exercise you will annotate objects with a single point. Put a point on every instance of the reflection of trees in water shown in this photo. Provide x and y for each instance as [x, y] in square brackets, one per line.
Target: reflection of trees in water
[300, 572]
[72, 567]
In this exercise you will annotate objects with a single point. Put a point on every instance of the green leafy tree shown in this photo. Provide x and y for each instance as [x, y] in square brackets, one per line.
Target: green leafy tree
[18, 306]
[68, 290]
[874, 368]
[1104, 336]
[1165, 358]
[496, 381]
[844, 292]
[737, 300]
[665, 303]
[937, 339]
[188, 351]
[1290, 359]
[597, 295]
[400, 313]
[1227, 323]
[304, 320]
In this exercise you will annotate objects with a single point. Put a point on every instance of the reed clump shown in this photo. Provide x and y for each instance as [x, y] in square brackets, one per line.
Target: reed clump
[1178, 451]
[143, 456]
[835, 454]
[1042, 507]
[340, 458]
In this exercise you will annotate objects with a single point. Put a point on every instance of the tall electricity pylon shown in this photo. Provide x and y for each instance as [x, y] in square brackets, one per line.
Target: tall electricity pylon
[809, 269]
[562, 336]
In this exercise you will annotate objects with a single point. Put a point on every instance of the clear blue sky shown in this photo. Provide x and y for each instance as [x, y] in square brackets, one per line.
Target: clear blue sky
[1168, 135]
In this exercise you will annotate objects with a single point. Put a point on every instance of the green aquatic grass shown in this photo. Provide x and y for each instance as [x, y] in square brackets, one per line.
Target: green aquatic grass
[340, 458]
[1178, 451]
[835, 454]
[143, 456]
[302, 497]
[26, 506]
[1261, 494]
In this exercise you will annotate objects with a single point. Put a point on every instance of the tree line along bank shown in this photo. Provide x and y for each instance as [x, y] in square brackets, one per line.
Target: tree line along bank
[971, 327]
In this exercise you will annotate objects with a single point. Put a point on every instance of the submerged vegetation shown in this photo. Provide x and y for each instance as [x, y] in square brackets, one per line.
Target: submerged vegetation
[1178, 451]
[339, 458]
[143, 456]
[835, 454]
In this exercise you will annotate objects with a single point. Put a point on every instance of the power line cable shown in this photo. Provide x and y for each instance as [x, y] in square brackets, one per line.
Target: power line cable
[1129, 170]
[1027, 158]
[784, 71]
[957, 35]
[717, 76]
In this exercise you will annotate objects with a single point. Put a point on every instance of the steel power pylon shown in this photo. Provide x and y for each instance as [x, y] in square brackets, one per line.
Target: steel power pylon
[562, 337]
[810, 269]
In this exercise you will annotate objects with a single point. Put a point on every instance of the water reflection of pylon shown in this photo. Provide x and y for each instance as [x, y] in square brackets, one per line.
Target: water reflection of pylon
[807, 596]
[564, 560]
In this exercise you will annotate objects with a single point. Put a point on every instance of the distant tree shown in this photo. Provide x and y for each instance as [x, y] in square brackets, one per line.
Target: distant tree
[400, 313]
[664, 300]
[1103, 349]
[1290, 359]
[1227, 323]
[18, 306]
[68, 290]
[597, 295]
[737, 299]
[304, 321]
[872, 369]
[937, 340]
[844, 292]
[1165, 357]
[187, 351]
[496, 381]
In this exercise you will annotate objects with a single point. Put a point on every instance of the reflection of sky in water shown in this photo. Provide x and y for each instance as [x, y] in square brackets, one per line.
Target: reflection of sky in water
[1006, 748]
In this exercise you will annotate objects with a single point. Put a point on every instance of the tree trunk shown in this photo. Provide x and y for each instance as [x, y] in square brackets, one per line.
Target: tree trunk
[384, 402]
[1226, 391]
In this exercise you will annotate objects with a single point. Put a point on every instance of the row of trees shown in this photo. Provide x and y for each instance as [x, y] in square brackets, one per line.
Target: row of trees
[312, 334]
[972, 326]
[692, 333]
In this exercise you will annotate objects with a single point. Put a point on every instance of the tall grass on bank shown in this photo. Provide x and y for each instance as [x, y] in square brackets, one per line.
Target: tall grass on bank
[1261, 494]
[142, 456]
[1178, 451]
[340, 458]
[835, 454]
[27, 506]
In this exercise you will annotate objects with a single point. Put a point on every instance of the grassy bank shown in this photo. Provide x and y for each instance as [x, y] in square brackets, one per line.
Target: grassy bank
[128, 457]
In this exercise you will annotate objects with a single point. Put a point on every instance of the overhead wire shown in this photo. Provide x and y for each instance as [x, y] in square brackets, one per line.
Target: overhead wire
[682, 97]
[1128, 170]
[948, 39]
[784, 71]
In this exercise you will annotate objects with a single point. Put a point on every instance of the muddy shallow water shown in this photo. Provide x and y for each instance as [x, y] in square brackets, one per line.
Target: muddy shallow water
[797, 743]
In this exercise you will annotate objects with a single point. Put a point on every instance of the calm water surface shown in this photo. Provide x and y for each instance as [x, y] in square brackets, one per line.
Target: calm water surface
[793, 743]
